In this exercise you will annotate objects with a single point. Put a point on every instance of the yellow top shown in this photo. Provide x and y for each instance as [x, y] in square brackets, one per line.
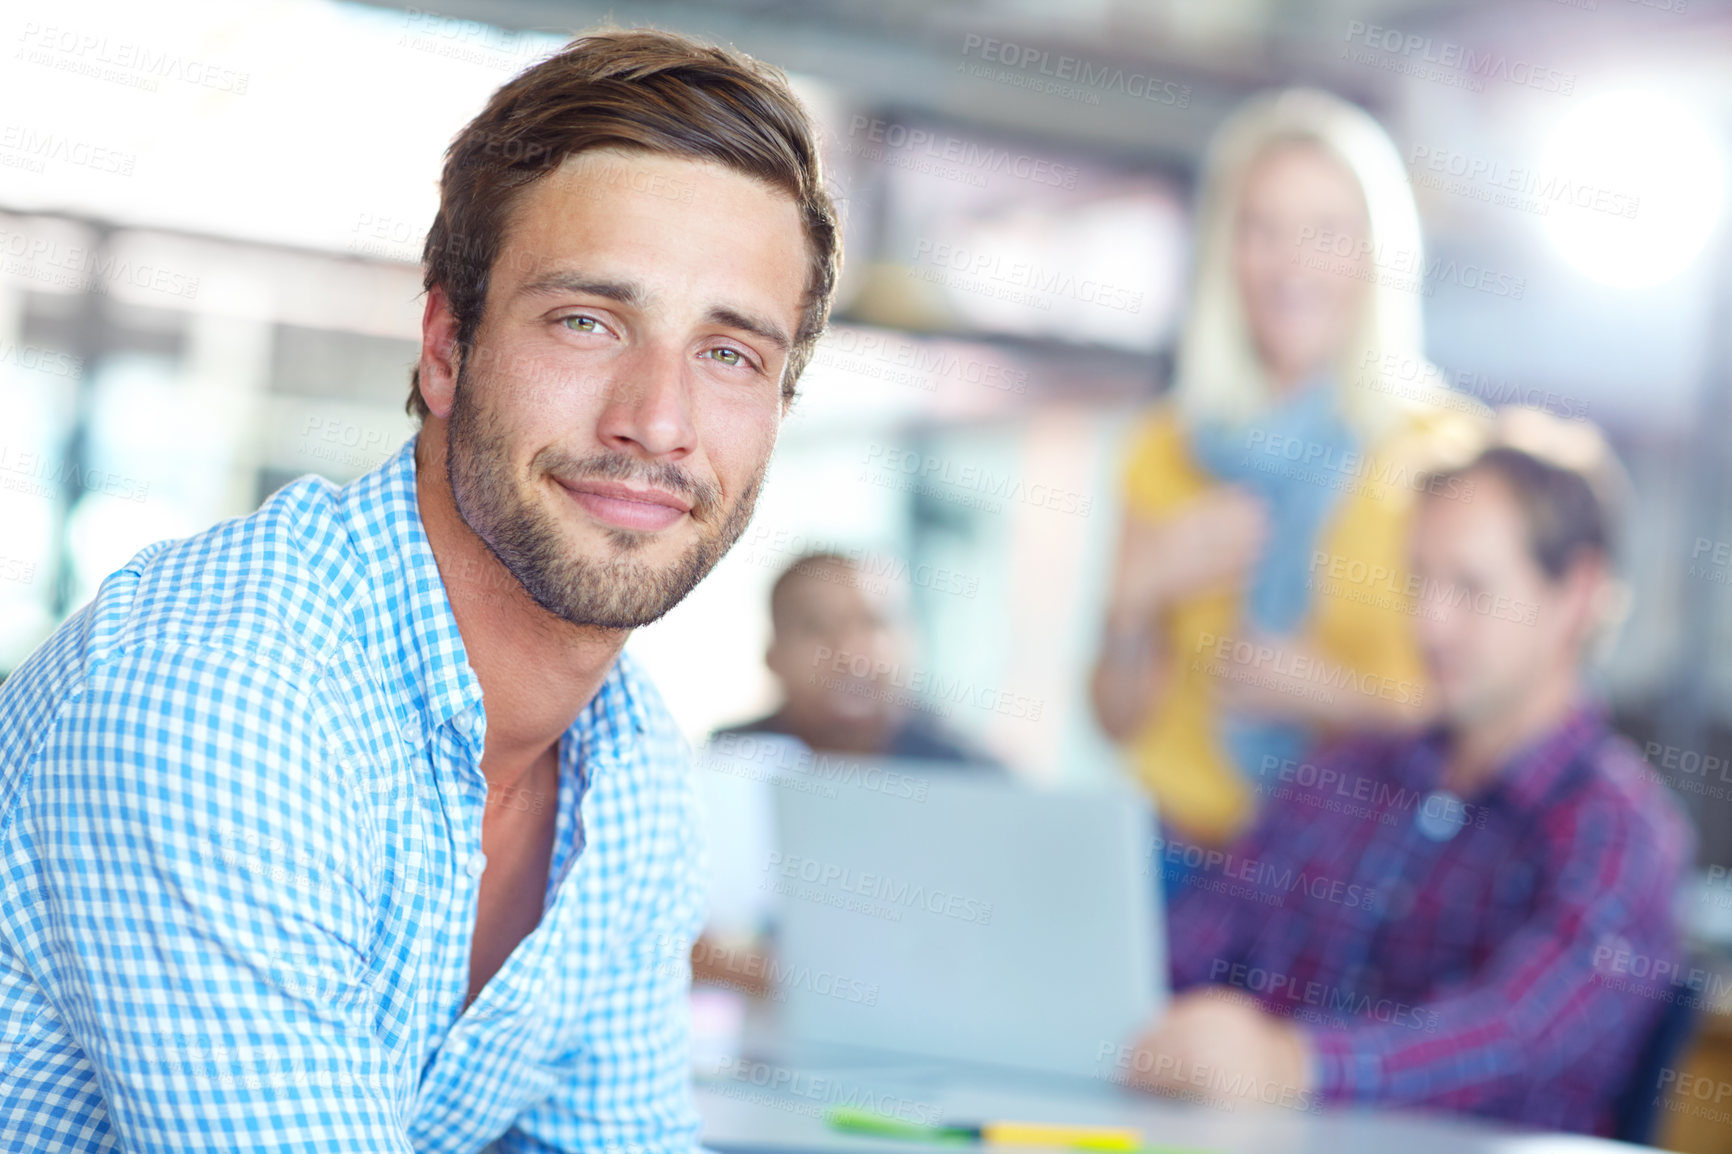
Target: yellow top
[1359, 619]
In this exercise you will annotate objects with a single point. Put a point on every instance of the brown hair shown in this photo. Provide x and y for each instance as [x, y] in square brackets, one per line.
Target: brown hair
[1566, 482]
[636, 90]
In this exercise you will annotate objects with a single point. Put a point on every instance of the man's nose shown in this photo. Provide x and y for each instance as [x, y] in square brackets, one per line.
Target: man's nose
[648, 403]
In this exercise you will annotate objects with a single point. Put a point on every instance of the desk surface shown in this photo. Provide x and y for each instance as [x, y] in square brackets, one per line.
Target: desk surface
[754, 1107]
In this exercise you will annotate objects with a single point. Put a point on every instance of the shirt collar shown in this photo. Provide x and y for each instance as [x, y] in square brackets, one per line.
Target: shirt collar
[416, 632]
[1533, 771]
[1529, 777]
[609, 727]
[412, 627]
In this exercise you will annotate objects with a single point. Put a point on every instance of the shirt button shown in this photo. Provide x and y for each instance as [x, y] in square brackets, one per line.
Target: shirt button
[466, 723]
[477, 863]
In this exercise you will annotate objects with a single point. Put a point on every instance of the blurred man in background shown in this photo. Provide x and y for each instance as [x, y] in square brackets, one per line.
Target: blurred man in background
[1427, 921]
[842, 653]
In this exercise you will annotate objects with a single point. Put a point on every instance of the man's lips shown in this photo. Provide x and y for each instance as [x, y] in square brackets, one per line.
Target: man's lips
[625, 507]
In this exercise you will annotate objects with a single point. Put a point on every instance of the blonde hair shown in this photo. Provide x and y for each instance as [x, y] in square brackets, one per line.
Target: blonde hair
[1219, 375]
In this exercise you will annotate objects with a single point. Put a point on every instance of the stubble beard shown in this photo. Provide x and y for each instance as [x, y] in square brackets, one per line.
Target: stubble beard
[615, 592]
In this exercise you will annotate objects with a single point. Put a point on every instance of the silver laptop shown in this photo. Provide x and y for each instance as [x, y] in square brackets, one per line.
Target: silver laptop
[933, 913]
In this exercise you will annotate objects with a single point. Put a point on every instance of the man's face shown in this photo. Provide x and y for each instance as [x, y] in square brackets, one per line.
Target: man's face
[836, 635]
[611, 425]
[1494, 629]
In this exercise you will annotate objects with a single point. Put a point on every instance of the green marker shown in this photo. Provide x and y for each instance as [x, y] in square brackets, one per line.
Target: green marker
[866, 1122]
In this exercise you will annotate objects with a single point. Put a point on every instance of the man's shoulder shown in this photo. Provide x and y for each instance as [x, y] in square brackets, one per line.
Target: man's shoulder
[1617, 791]
[266, 592]
[1606, 823]
[285, 577]
[927, 740]
[280, 577]
[770, 723]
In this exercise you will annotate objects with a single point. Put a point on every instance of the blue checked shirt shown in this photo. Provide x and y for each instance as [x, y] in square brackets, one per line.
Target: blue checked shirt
[240, 845]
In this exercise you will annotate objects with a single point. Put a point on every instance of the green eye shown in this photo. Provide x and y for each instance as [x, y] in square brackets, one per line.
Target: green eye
[580, 324]
[721, 354]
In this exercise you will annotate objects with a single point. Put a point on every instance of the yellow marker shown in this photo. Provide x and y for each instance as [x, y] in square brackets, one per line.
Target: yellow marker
[1072, 1137]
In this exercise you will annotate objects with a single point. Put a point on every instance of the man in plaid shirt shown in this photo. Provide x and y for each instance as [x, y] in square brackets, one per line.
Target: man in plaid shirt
[1477, 918]
[346, 825]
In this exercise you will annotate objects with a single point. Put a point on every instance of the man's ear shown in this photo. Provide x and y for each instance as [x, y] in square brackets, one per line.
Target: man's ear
[440, 356]
[1588, 590]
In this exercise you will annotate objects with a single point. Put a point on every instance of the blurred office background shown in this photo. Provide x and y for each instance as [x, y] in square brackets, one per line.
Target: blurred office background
[211, 217]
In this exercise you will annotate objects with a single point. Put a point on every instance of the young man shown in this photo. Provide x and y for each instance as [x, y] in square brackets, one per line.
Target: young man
[346, 825]
[1436, 921]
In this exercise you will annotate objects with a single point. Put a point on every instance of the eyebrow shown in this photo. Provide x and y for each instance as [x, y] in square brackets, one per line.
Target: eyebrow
[634, 295]
[734, 319]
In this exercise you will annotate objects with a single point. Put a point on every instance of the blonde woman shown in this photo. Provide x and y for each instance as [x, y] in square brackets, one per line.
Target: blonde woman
[1258, 601]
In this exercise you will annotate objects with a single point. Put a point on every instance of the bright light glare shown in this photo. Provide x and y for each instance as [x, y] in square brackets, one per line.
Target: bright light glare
[1645, 181]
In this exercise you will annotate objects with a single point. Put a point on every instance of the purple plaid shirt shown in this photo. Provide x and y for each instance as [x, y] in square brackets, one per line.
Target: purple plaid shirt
[1506, 954]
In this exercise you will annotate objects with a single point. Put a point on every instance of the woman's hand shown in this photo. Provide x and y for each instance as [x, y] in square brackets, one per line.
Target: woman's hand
[1129, 676]
[1212, 541]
